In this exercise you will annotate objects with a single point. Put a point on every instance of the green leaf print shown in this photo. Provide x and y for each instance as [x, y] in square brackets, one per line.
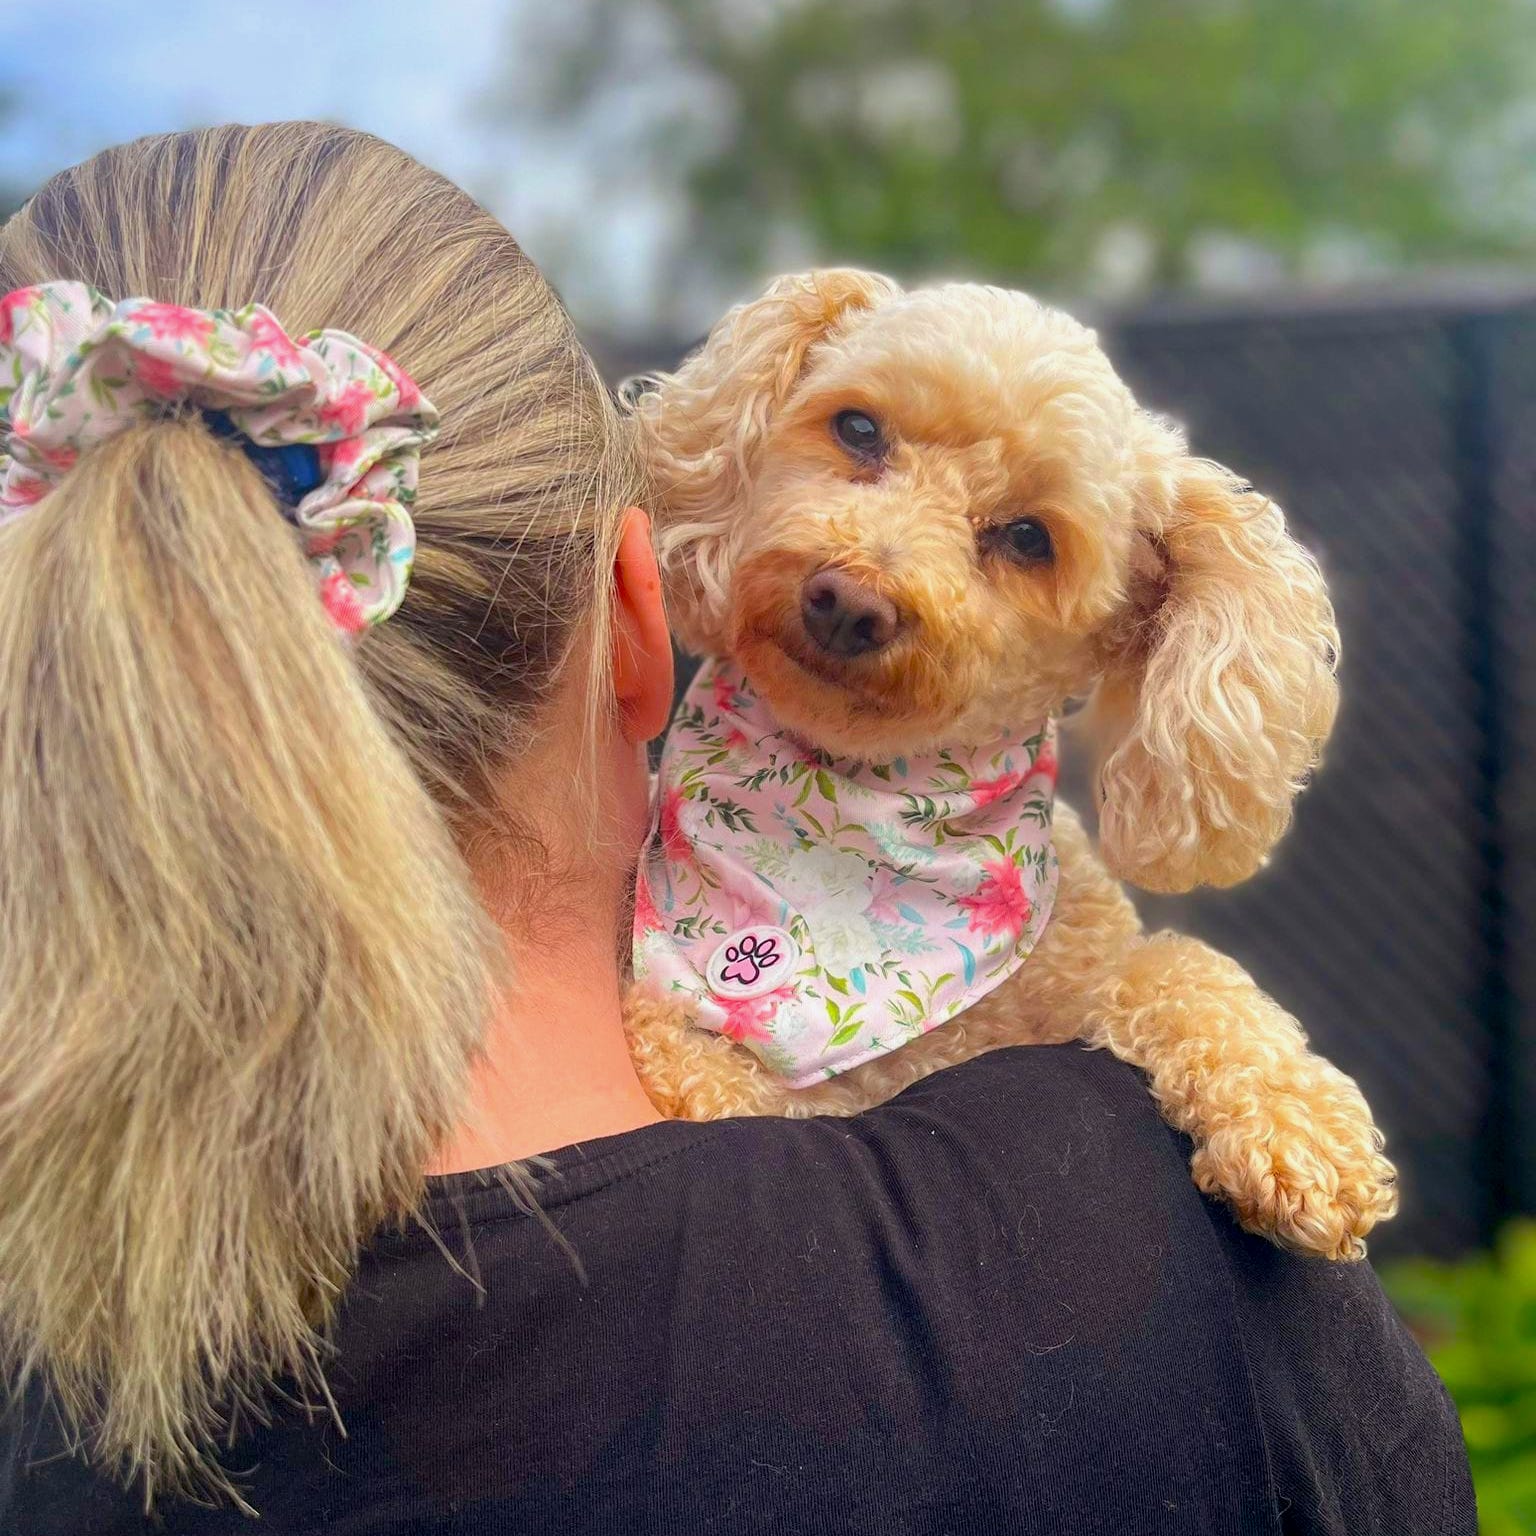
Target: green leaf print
[102, 390]
[737, 817]
[845, 1034]
[921, 810]
[826, 786]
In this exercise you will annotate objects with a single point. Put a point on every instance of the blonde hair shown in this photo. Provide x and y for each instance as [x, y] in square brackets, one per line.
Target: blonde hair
[242, 968]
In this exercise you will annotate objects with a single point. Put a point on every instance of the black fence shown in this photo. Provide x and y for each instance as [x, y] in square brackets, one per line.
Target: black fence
[1398, 920]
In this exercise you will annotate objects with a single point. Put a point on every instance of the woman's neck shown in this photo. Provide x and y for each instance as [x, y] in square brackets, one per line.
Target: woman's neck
[554, 1068]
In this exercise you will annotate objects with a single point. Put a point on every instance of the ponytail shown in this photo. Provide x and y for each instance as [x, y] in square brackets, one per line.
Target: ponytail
[210, 849]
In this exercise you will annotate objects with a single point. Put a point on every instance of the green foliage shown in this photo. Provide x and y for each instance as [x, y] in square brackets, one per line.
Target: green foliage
[1477, 1322]
[1024, 138]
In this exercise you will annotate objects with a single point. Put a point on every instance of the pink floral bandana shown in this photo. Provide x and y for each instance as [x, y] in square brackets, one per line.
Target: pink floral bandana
[822, 911]
[75, 368]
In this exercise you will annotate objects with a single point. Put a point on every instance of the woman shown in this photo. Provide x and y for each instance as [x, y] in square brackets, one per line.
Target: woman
[306, 939]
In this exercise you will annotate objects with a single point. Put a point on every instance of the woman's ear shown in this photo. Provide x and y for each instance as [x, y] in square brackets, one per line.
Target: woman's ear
[642, 647]
[1218, 696]
[702, 429]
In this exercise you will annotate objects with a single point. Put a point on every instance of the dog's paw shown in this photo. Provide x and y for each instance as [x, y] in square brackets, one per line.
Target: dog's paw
[1309, 1176]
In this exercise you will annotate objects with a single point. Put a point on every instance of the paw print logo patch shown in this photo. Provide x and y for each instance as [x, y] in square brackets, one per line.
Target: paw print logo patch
[752, 961]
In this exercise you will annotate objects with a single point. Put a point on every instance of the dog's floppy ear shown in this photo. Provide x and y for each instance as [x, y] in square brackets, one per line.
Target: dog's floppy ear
[1219, 692]
[703, 426]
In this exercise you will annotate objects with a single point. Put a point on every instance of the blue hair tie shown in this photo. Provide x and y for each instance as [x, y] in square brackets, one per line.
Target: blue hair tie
[291, 470]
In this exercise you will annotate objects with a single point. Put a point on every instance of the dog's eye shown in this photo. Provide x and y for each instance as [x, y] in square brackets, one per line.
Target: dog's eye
[859, 432]
[1026, 540]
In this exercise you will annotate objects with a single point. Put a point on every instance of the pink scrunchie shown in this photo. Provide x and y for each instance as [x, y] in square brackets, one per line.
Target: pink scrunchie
[76, 368]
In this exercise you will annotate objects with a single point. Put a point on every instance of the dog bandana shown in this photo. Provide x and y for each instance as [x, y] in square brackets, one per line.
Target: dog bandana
[77, 368]
[822, 911]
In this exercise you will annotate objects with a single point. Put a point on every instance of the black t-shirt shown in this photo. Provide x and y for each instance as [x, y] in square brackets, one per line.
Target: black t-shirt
[996, 1304]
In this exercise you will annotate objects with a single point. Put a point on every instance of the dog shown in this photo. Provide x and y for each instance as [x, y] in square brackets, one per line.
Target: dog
[906, 524]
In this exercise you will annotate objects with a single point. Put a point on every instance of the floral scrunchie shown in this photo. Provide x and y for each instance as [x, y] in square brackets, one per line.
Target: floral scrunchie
[76, 368]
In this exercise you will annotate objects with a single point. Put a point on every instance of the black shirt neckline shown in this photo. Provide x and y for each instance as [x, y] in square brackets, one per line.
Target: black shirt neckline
[553, 1179]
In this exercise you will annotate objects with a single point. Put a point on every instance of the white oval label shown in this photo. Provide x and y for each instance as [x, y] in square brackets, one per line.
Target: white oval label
[752, 961]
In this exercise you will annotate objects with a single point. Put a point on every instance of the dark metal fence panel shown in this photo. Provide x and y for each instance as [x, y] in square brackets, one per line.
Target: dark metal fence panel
[1370, 924]
[1398, 919]
[1512, 596]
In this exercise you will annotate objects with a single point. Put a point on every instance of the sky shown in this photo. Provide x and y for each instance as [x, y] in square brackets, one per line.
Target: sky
[87, 73]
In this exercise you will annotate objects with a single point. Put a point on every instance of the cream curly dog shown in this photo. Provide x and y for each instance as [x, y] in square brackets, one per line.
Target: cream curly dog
[1007, 530]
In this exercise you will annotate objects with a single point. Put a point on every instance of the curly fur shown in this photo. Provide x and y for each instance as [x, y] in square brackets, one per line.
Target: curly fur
[1175, 597]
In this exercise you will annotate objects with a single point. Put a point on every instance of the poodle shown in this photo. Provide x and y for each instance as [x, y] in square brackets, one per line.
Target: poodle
[907, 528]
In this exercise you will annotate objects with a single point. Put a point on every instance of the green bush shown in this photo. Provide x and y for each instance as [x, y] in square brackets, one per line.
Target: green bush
[1477, 1322]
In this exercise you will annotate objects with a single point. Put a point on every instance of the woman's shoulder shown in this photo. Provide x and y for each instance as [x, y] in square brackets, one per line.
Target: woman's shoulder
[1041, 1222]
[998, 1295]
[1044, 1150]
[1063, 1138]
[1062, 1124]
[1016, 1242]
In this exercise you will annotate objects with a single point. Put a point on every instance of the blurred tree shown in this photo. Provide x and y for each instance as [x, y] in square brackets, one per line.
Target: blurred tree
[1095, 144]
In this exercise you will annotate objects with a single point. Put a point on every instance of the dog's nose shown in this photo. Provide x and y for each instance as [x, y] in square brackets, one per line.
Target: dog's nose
[844, 617]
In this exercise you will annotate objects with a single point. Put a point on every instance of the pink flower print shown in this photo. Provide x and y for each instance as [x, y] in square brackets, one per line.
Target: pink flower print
[349, 410]
[338, 460]
[723, 691]
[175, 322]
[25, 491]
[998, 905]
[16, 299]
[268, 336]
[647, 918]
[736, 739]
[985, 791]
[674, 840]
[156, 375]
[60, 460]
[340, 600]
[405, 385]
[344, 456]
[748, 1018]
[882, 900]
[1045, 761]
[325, 542]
